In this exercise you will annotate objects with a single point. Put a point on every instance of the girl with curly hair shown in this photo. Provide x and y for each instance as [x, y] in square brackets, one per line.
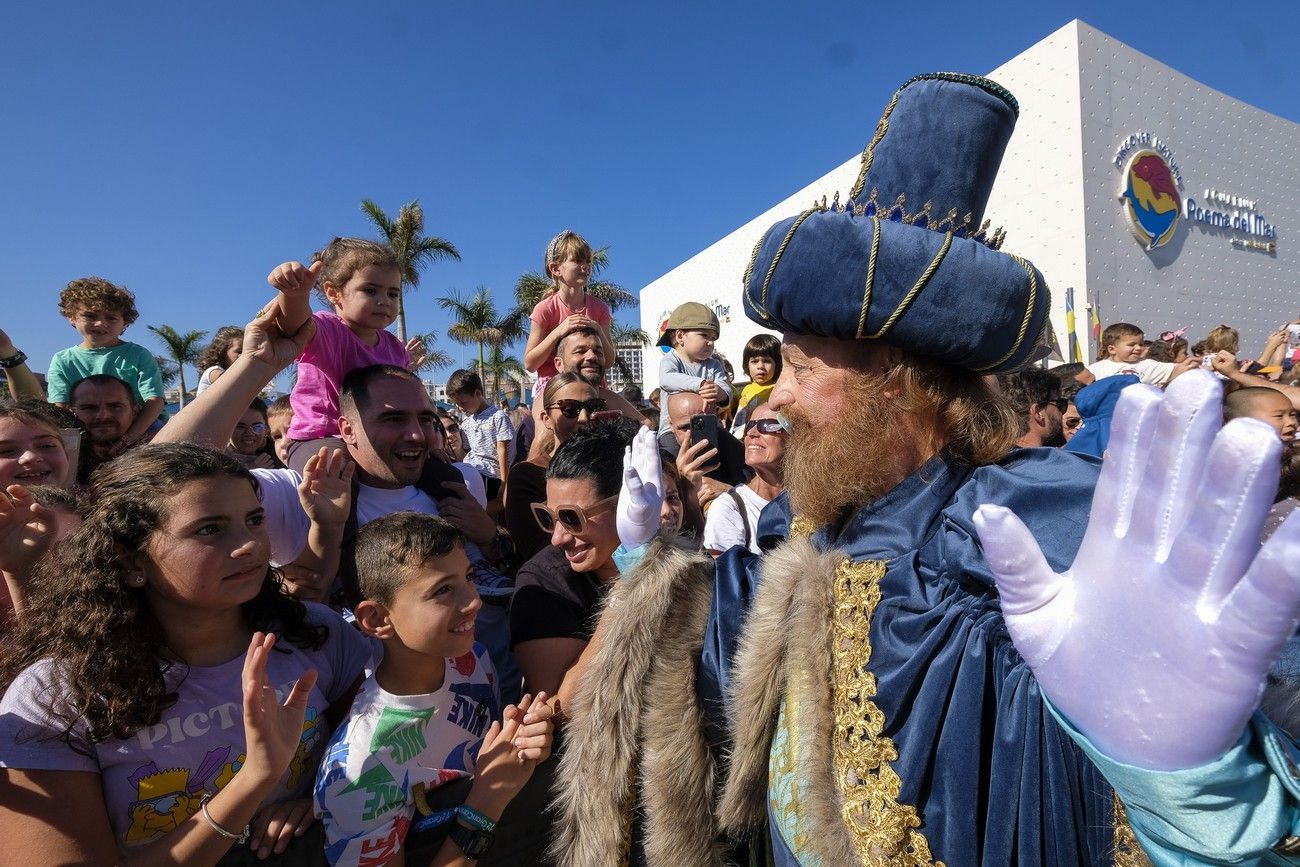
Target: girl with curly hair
[164, 697]
[225, 347]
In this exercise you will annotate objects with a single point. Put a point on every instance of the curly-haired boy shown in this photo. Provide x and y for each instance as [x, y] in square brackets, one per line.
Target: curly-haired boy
[101, 312]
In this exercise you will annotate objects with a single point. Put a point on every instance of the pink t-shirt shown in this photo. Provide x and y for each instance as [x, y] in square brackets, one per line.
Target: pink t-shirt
[333, 352]
[551, 311]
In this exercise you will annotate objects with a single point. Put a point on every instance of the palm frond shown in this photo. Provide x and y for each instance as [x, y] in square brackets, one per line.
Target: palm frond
[612, 294]
[434, 359]
[167, 371]
[378, 217]
[624, 334]
[529, 289]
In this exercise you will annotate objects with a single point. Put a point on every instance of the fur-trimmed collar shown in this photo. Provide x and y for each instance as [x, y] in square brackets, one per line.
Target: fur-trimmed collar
[789, 621]
[636, 727]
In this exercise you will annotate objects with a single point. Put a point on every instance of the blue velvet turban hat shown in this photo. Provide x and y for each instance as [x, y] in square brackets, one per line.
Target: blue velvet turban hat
[929, 280]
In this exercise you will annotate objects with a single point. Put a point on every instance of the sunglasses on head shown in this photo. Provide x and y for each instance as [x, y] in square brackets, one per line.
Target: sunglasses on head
[765, 425]
[573, 408]
[571, 518]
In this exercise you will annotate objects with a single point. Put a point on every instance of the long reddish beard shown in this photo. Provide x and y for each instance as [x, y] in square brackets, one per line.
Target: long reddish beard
[848, 464]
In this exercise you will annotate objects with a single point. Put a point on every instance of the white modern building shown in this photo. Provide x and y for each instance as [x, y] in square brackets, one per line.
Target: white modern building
[1201, 237]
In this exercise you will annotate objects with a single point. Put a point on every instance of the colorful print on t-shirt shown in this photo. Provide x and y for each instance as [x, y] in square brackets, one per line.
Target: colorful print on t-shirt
[392, 750]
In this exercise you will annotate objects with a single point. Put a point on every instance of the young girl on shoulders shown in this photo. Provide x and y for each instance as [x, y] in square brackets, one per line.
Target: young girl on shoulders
[165, 699]
[362, 282]
[220, 353]
[566, 306]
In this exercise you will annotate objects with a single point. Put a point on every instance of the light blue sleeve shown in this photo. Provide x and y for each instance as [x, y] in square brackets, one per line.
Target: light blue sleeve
[1241, 808]
[148, 377]
[56, 380]
[673, 376]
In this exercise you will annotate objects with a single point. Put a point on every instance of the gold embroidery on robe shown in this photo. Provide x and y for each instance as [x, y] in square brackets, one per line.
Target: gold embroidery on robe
[884, 831]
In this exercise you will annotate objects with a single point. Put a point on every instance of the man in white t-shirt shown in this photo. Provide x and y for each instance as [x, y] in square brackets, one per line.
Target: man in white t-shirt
[732, 518]
[1122, 345]
[388, 424]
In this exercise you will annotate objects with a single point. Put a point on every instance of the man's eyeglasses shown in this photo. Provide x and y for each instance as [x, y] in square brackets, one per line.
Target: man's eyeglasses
[572, 518]
[765, 425]
[258, 428]
[1061, 403]
[573, 408]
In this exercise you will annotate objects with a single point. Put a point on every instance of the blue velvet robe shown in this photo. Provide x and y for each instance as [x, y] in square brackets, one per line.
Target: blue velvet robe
[992, 776]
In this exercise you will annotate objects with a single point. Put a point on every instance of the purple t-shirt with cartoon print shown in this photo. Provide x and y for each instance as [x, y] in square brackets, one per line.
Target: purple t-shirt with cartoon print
[155, 779]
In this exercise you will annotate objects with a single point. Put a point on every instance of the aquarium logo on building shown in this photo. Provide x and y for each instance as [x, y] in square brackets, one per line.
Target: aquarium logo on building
[1150, 194]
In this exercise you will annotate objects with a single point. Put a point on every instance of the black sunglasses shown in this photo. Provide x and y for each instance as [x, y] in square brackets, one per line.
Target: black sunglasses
[573, 408]
[1061, 403]
[765, 425]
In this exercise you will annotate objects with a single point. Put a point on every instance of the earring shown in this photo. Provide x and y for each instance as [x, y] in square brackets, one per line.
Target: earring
[136, 579]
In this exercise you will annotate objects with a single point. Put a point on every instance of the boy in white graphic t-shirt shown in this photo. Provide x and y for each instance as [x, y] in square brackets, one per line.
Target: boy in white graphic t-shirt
[429, 714]
[1122, 345]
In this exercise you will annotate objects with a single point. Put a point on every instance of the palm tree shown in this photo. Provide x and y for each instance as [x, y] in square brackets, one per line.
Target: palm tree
[414, 249]
[181, 348]
[477, 322]
[531, 286]
[497, 367]
[167, 371]
[434, 359]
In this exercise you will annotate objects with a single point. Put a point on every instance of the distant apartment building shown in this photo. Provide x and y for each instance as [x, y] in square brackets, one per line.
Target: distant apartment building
[632, 355]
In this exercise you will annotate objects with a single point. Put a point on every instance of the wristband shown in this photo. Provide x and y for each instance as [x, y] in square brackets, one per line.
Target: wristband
[13, 360]
[475, 819]
[239, 838]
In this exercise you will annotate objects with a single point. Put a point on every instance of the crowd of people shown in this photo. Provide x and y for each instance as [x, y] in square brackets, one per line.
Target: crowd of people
[400, 592]
[350, 627]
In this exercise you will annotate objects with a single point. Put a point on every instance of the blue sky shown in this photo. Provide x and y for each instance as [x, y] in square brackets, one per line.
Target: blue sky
[185, 149]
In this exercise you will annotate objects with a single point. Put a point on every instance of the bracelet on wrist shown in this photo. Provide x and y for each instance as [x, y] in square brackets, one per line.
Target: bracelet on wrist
[474, 819]
[13, 361]
[239, 838]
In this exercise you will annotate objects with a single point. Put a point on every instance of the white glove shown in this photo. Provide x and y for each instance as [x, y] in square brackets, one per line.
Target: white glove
[642, 494]
[1156, 642]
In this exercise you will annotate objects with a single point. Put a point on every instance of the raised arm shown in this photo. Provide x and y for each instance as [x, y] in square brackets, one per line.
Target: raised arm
[1154, 645]
[543, 344]
[267, 351]
[23, 384]
[294, 281]
[1225, 363]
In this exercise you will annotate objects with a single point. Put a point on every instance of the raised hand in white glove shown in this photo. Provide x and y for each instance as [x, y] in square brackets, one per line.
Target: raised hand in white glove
[642, 494]
[1156, 642]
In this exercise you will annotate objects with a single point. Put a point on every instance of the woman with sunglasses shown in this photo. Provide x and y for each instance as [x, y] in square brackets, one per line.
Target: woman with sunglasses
[569, 402]
[558, 593]
[250, 443]
[732, 519]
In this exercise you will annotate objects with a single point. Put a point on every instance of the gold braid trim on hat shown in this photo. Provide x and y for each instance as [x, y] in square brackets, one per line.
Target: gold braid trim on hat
[871, 275]
[780, 251]
[882, 127]
[884, 831]
[1029, 313]
[911, 294]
